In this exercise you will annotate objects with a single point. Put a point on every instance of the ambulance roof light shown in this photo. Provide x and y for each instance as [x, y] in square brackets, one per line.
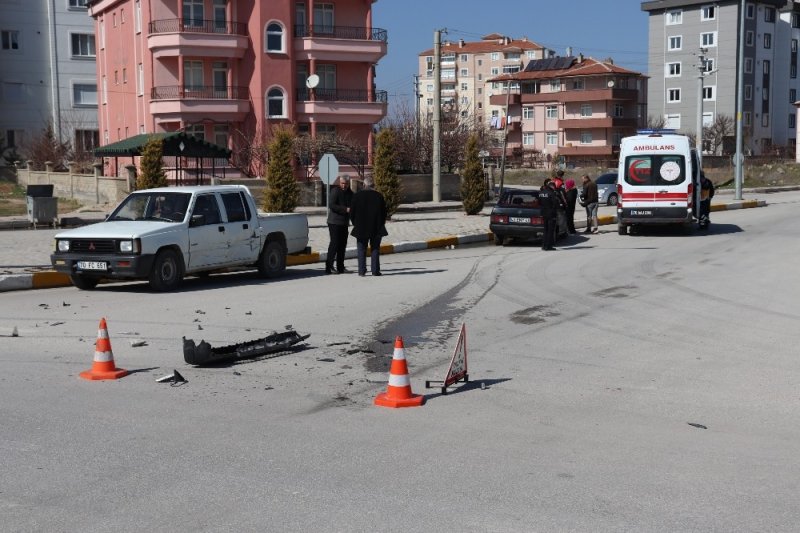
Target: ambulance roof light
[656, 131]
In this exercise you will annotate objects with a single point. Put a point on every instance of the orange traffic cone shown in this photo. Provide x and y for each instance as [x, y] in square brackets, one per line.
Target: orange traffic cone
[398, 393]
[103, 366]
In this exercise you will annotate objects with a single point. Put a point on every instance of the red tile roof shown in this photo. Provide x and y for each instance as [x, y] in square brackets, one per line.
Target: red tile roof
[490, 43]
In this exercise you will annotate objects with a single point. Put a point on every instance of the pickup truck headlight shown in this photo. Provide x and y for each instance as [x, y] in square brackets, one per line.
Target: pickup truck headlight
[62, 245]
[132, 246]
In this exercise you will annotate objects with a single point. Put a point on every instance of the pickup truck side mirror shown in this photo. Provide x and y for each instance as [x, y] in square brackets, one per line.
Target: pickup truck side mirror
[197, 220]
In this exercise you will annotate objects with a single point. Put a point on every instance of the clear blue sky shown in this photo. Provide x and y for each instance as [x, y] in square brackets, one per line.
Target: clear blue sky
[596, 28]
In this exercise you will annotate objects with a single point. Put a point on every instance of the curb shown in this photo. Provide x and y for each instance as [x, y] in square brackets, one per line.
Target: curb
[51, 279]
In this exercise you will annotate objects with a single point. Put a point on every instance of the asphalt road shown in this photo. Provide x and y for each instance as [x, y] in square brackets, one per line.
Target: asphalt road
[595, 361]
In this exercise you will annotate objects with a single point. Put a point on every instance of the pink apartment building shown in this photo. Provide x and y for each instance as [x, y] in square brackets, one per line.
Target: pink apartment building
[575, 107]
[217, 68]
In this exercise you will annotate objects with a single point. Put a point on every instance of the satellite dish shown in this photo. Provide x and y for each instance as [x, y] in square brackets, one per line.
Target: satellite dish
[610, 84]
[312, 81]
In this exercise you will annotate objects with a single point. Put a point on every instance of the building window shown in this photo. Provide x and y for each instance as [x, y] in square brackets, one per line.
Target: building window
[619, 110]
[792, 118]
[105, 93]
[765, 120]
[137, 16]
[708, 39]
[531, 54]
[463, 57]
[198, 131]
[708, 12]
[82, 45]
[710, 64]
[674, 17]
[86, 140]
[672, 122]
[769, 14]
[673, 95]
[193, 75]
[10, 39]
[527, 112]
[527, 139]
[140, 79]
[749, 38]
[15, 138]
[792, 96]
[586, 110]
[193, 13]
[750, 11]
[221, 135]
[448, 73]
[746, 118]
[463, 72]
[748, 92]
[551, 111]
[276, 104]
[124, 75]
[675, 42]
[495, 56]
[616, 138]
[795, 20]
[767, 40]
[709, 93]
[673, 69]
[708, 120]
[748, 65]
[510, 69]
[552, 138]
[578, 85]
[430, 101]
[586, 137]
[326, 130]
[274, 37]
[84, 95]
[464, 87]
[555, 85]
[495, 71]
[464, 100]
[77, 4]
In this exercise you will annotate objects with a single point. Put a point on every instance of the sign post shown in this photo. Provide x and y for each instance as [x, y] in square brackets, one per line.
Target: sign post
[328, 171]
[457, 371]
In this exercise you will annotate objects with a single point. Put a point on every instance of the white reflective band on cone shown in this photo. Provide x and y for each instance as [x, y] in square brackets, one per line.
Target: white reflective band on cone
[399, 354]
[103, 357]
[102, 333]
[399, 381]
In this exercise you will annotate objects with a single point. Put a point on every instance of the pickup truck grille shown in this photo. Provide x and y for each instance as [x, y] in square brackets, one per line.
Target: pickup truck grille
[93, 246]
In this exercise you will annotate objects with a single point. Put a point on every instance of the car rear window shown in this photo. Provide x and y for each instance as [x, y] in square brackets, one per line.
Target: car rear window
[606, 179]
[519, 199]
[654, 170]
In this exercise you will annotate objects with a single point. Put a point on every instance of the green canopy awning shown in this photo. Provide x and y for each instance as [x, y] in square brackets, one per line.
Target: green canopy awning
[192, 146]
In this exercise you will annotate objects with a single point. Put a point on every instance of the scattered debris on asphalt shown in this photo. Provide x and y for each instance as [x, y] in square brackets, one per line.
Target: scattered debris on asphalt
[173, 378]
[203, 354]
[137, 344]
[696, 425]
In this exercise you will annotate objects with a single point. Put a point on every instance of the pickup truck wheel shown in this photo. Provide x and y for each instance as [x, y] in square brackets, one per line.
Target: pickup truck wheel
[272, 261]
[166, 274]
[83, 283]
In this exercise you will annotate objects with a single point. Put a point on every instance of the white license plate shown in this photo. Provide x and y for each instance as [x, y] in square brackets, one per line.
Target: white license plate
[519, 220]
[92, 265]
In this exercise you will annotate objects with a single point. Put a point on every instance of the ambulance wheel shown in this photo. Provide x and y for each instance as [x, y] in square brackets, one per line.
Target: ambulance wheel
[622, 229]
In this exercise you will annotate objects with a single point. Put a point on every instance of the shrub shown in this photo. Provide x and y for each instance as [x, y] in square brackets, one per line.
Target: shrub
[151, 172]
[282, 193]
[384, 170]
[473, 186]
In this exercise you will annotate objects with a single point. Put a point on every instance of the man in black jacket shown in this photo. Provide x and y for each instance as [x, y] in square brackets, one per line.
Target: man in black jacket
[548, 203]
[368, 213]
[590, 202]
[338, 221]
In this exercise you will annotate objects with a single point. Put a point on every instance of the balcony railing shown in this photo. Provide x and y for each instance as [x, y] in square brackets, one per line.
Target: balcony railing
[176, 92]
[341, 32]
[342, 95]
[197, 26]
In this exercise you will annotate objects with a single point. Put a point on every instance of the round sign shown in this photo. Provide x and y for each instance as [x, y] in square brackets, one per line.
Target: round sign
[670, 171]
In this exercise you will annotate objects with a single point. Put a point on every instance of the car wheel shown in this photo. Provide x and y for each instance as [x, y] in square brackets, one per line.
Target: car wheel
[167, 272]
[272, 261]
[622, 229]
[84, 283]
[498, 240]
[612, 199]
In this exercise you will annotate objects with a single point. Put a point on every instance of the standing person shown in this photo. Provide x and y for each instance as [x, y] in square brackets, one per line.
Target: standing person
[368, 213]
[549, 206]
[590, 201]
[338, 221]
[706, 194]
[572, 197]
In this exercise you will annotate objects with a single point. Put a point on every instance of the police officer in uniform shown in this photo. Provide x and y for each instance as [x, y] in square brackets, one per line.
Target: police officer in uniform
[549, 206]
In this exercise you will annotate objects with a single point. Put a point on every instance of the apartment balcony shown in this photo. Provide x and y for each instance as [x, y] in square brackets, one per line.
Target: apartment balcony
[500, 98]
[600, 122]
[589, 150]
[189, 104]
[589, 95]
[339, 43]
[341, 106]
[206, 38]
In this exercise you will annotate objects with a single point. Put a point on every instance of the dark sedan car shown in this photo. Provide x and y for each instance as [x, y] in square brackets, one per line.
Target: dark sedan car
[518, 215]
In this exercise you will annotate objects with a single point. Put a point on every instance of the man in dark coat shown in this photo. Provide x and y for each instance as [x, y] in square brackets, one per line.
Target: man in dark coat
[590, 202]
[338, 221]
[368, 213]
[548, 203]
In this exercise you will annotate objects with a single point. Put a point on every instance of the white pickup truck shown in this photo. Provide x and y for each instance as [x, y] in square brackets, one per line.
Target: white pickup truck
[163, 234]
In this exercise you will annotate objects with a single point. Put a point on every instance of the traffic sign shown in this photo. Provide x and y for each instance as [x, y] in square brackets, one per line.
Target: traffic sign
[328, 169]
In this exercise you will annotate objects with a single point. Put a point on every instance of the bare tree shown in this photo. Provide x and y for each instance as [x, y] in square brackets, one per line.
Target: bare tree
[348, 151]
[250, 152]
[656, 122]
[46, 147]
[715, 134]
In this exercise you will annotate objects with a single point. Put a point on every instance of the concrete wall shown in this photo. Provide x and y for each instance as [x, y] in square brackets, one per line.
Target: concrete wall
[90, 189]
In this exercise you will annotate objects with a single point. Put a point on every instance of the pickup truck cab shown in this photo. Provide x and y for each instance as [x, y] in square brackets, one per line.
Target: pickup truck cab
[166, 233]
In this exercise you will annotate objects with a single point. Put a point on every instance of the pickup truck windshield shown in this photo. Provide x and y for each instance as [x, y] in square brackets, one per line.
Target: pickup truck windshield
[156, 206]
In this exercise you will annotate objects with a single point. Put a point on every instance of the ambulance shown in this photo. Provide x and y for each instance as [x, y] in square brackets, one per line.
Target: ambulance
[658, 182]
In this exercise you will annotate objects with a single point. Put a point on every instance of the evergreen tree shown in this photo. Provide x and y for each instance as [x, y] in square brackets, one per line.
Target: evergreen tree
[384, 170]
[151, 171]
[282, 193]
[473, 186]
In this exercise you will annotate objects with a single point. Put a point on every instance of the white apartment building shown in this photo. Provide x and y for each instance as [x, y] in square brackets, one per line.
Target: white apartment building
[679, 29]
[466, 68]
[47, 52]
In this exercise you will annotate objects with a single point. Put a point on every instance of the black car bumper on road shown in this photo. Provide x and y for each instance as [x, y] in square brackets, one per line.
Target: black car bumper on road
[103, 265]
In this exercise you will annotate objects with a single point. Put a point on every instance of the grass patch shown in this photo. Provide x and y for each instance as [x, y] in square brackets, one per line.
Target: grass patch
[13, 202]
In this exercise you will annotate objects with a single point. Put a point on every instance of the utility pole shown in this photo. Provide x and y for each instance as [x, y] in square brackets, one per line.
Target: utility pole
[505, 140]
[739, 174]
[416, 109]
[701, 71]
[437, 116]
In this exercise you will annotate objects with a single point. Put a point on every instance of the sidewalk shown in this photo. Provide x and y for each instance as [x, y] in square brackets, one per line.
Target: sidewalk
[25, 253]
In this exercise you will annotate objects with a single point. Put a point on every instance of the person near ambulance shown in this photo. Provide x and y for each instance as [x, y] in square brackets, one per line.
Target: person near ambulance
[706, 194]
[591, 203]
[548, 202]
